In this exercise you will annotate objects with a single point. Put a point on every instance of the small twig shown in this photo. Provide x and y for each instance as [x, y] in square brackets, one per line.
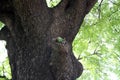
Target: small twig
[114, 3]
[2, 76]
[113, 13]
[118, 56]
[99, 9]
[96, 49]
[79, 58]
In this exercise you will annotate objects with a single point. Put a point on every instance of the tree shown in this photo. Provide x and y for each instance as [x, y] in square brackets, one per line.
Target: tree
[39, 39]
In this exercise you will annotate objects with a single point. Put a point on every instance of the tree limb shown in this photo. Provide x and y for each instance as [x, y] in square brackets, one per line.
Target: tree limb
[70, 13]
[99, 9]
[90, 4]
[4, 33]
[6, 11]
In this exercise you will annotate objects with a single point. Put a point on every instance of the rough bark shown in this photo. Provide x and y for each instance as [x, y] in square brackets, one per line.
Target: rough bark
[31, 32]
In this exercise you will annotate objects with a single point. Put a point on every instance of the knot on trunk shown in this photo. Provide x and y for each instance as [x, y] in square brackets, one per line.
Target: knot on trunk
[64, 66]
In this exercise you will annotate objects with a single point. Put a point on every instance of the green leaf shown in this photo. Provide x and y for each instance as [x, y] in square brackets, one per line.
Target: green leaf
[52, 3]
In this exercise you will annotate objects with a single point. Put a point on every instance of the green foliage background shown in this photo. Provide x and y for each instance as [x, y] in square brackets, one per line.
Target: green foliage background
[97, 44]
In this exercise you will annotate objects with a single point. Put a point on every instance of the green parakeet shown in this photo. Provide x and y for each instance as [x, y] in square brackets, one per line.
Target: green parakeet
[60, 40]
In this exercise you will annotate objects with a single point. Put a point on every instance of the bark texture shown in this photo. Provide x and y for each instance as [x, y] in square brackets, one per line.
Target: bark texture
[31, 33]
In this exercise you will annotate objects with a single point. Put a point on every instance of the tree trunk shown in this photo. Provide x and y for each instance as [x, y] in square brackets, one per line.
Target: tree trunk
[32, 31]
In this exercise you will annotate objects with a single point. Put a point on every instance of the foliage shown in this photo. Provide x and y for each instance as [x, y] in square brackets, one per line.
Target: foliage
[98, 43]
[1, 25]
[5, 72]
[52, 3]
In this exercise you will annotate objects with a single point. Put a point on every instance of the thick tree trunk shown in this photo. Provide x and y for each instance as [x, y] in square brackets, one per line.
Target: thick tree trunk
[32, 30]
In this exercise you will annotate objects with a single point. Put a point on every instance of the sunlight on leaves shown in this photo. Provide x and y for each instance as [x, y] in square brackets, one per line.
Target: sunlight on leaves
[4, 62]
[98, 43]
[1, 25]
[52, 3]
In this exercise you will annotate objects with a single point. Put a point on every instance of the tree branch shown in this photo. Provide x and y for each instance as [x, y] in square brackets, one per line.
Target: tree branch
[99, 9]
[6, 11]
[70, 15]
[90, 4]
[5, 6]
[4, 33]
